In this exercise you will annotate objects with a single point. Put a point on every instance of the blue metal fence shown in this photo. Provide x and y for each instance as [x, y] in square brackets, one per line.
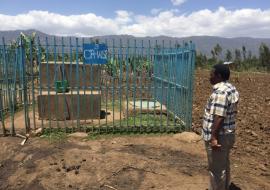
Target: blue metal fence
[143, 85]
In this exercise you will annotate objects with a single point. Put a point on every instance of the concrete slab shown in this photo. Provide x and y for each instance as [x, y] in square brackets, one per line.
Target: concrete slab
[88, 75]
[69, 106]
[143, 106]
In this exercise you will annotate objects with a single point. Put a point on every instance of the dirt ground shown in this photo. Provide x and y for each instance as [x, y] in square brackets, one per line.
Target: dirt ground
[172, 162]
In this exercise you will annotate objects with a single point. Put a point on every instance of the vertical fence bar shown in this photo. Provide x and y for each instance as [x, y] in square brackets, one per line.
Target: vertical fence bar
[6, 83]
[71, 79]
[64, 86]
[91, 87]
[40, 85]
[191, 66]
[140, 79]
[113, 79]
[154, 78]
[175, 99]
[148, 78]
[57, 71]
[134, 67]
[106, 88]
[25, 102]
[13, 92]
[77, 83]
[48, 82]
[120, 57]
[84, 86]
[3, 86]
[162, 84]
[127, 83]
[32, 83]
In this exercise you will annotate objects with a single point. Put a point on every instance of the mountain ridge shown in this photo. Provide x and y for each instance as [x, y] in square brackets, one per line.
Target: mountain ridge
[204, 44]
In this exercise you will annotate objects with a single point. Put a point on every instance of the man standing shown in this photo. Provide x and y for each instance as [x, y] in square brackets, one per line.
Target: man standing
[219, 126]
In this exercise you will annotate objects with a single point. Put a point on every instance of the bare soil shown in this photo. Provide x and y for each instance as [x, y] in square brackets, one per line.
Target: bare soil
[147, 162]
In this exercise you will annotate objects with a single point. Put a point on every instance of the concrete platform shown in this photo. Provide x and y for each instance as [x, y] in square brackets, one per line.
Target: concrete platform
[89, 75]
[69, 106]
[143, 106]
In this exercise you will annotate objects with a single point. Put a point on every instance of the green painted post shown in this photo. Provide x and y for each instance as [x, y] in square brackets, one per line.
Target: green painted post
[71, 79]
[127, 83]
[77, 83]
[39, 73]
[63, 77]
[120, 58]
[48, 82]
[56, 72]
[32, 85]
[134, 83]
[25, 102]
[140, 79]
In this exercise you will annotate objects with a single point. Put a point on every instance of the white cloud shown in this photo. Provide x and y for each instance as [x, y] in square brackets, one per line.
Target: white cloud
[123, 17]
[221, 22]
[178, 2]
[155, 11]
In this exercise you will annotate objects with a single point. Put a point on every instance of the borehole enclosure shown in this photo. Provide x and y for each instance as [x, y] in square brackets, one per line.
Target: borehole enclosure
[141, 85]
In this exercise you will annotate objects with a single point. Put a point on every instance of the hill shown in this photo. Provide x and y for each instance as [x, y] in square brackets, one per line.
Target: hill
[204, 44]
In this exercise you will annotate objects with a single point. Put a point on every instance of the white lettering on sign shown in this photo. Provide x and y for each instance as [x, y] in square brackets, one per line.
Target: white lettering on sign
[93, 54]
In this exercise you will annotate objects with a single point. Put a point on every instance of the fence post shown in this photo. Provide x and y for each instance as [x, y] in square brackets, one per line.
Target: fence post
[191, 68]
[25, 101]
[1, 97]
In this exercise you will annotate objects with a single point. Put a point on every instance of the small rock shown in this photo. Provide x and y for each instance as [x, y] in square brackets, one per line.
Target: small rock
[37, 132]
[1, 165]
[262, 167]
[254, 134]
[84, 160]
[55, 163]
[76, 172]
[70, 186]
[58, 169]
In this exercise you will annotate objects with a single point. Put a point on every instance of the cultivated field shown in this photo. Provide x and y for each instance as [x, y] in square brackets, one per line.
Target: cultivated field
[173, 161]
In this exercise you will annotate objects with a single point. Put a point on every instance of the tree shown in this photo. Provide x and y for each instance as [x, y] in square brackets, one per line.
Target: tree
[264, 54]
[201, 59]
[217, 50]
[228, 55]
[244, 53]
[237, 58]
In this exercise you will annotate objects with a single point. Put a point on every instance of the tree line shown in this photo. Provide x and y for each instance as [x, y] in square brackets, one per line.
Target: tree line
[243, 59]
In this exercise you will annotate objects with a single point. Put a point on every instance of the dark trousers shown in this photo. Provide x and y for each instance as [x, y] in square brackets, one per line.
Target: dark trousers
[219, 162]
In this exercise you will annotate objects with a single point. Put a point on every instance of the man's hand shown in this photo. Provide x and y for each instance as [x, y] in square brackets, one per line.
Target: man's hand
[214, 144]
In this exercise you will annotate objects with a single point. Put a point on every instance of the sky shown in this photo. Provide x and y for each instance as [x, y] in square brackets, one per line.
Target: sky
[175, 18]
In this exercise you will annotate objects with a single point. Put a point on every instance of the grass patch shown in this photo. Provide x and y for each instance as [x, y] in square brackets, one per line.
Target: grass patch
[55, 135]
[146, 120]
[140, 125]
